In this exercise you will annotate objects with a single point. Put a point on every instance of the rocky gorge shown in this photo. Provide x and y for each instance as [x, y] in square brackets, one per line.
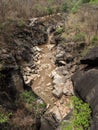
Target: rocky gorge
[36, 58]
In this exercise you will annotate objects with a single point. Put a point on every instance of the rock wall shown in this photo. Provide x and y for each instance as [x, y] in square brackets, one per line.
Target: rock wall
[85, 83]
[17, 52]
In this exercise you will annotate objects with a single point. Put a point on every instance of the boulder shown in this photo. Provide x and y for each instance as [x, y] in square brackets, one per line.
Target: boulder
[60, 56]
[58, 82]
[91, 58]
[49, 122]
[86, 87]
[57, 92]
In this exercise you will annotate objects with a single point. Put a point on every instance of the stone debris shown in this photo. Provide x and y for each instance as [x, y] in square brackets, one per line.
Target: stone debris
[68, 88]
[57, 92]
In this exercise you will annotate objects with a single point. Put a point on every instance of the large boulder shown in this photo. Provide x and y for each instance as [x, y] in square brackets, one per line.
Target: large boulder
[91, 58]
[58, 83]
[86, 87]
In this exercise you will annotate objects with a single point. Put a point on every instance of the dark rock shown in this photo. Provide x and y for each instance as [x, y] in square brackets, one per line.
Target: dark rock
[16, 51]
[69, 58]
[86, 87]
[49, 122]
[91, 58]
[38, 123]
[11, 84]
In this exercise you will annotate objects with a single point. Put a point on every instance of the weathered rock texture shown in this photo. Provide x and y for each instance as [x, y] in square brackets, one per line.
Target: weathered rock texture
[85, 83]
[16, 53]
[91, 58]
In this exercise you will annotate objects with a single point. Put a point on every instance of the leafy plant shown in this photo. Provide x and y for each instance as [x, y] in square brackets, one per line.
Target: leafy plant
[94, 40]
[81, 116]
[4, 117]
[81, 113]
[59, 30]
[28, 96]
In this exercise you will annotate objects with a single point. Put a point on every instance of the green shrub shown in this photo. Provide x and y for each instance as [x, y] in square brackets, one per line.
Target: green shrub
[28, 96]
[21, 23]
[85, 1]
[94, 40]
[81, 116]
[94, 1]
[64, 7]
[81, 113]
[43, 105]
[49, 10]
[76, 6]
[93, 43]
[59, 30]
[4, 117]
[79, 37]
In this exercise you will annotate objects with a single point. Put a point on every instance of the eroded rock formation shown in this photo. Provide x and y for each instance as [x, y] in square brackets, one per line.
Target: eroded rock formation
[86, 84]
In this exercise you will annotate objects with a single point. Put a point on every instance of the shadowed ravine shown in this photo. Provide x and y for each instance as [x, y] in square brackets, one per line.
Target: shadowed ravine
[43, 82]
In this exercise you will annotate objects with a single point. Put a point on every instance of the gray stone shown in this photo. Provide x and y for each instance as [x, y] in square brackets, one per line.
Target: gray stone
[68, 88]
[57, 92]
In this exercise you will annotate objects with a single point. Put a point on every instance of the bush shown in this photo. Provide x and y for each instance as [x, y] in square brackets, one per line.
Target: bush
[94, 1]
[21, 23]
[59, 30]
[28, 96]
[79, 37]
[81, 116]
[64, 7]
[43, 105]
[94, 40]
[85, 1]
[49, 10]
[76, 6]
[4, 117]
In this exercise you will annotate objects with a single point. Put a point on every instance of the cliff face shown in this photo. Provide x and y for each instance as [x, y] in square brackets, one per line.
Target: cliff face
[16, 51]
[19, 54]
[86, 83]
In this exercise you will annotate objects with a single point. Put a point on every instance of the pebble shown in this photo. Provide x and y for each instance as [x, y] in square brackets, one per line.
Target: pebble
[49, 84]
[28, 69]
